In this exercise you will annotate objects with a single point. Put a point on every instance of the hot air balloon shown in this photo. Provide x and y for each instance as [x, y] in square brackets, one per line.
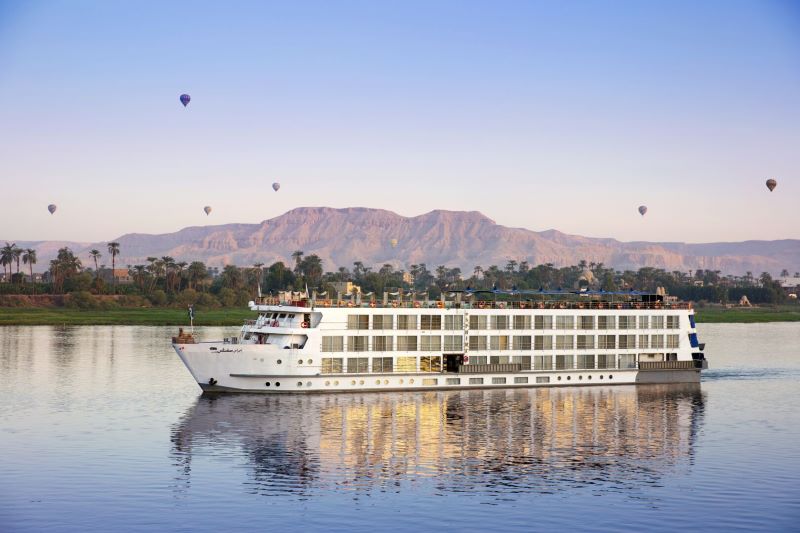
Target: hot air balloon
[771, 184]
[52, 208]
[207, 209]
[393, 242]
[185, 99]
[276, 186]
[642, 209]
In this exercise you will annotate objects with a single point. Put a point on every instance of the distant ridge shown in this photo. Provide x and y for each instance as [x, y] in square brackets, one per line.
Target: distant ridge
[453, 238]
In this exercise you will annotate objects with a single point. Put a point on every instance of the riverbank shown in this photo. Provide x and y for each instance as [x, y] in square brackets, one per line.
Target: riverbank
[155, 316]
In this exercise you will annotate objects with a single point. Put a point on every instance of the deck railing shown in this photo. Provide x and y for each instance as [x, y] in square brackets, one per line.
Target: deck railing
[481, 304]
[670, 365]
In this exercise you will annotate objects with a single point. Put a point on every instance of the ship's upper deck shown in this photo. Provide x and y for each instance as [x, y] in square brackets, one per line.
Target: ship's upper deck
[486, 299]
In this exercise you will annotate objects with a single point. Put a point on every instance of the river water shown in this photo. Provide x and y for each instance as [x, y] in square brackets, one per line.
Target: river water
[103, 429]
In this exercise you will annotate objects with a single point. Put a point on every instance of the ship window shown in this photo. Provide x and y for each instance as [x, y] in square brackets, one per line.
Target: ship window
[357, 344]
[499, 359]
[544, 379]
[657, 322]
[585, 342]
[564, 362]
[644, 341]
[627, 341]
[452, 322]
[382, 322]
[523, 360]
[565, 322]
[522, 342]
[331, 365]
[522, 322]
[332, 344]
[428, 322]
[627, 322]
[542, 362]
[477, 342]
[382, 343]
[406, 364]
[586, 322]
[644, 322]
[407, 343]
[606, 342]
[407, 322]
[477, 322]
[521, 379]
[476, 381]
[606, 322]
[543, 322]
[282, 315]
[656, 341]
[606, 361]
[430, 343]
[498, 381]
[453, 343]
[478, 359]
[673, 341]
[357, 365]
[627, 360]
[432, 363]
[585, 361]
[430, 381]
[673, 321]
[499, 322]
[565, 342]
[358, 322]
[543, 342]
[453, 381]
[499, 342]
[382, 364]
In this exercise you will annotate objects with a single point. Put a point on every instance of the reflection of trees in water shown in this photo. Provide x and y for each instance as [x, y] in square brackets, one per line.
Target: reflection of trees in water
[496, 440]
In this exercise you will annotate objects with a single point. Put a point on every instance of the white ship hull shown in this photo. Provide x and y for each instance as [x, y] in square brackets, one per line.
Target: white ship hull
[289, 349]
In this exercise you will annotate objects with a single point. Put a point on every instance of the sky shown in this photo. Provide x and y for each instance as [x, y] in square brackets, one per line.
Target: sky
[565, 115]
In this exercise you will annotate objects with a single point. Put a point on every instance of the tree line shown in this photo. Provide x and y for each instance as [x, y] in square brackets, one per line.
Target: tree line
[164, 281]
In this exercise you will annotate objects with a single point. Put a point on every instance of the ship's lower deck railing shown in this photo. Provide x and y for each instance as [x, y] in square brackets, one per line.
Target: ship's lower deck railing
[481, 304]
[670, 365]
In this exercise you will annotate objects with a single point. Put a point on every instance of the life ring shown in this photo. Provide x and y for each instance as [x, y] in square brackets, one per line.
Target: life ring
[372, 304]
[417, 304]
[304, 324]
[481, 305]
[466, 358]
[440, 305]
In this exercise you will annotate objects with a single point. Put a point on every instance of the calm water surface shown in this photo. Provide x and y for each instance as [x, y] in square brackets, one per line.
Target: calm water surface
[102, 428]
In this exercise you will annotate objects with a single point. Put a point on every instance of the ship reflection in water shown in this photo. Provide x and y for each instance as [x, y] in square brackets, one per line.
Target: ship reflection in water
[523, 440]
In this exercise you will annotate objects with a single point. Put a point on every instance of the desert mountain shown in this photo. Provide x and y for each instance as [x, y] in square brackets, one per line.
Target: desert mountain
[452, 238]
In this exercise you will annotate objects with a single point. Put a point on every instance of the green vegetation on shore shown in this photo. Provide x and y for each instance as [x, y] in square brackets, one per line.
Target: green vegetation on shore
[19, 316]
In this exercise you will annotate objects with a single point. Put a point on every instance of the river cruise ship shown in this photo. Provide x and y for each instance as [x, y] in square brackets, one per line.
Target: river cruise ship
[467, 339]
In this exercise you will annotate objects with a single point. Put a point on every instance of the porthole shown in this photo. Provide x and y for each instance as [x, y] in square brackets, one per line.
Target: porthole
[559, 378]
[610, 376]
[299, 383]
[580, 377]
[336, 383]
[353, 382]
[310, 361]
[377, 382]
[300, 362]
[401, 381]
[361, 382]
[308, 383]
[588, 377]
[267, 383]
[327, 383]
[411, 381]
[277, 383]
[279, 361]
[385, 381]
[569, 378]
[601, 376]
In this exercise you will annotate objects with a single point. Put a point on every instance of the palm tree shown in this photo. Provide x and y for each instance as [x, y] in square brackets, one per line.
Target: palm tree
[180, 267]
[16, 253]
[29, 258]
[297, 255]
[113, 249]
[7, 257]
[96, 255]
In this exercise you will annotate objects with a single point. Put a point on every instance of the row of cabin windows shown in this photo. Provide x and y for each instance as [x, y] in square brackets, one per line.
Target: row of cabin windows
[454, 343]
[455, 322]
[363, 365]
[408, 364]
[424, 322]
[388, 343]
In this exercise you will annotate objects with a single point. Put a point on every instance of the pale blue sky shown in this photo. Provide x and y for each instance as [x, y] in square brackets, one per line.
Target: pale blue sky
[538, 114]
